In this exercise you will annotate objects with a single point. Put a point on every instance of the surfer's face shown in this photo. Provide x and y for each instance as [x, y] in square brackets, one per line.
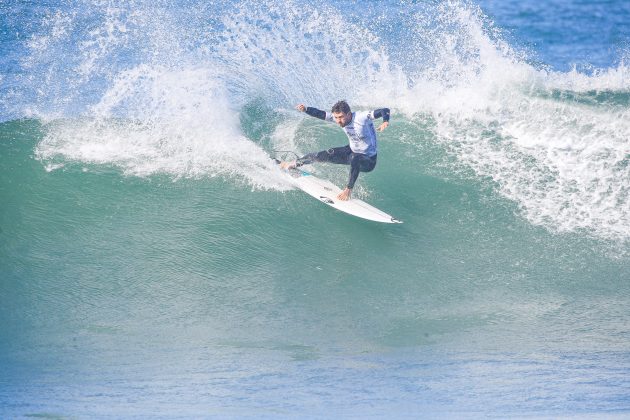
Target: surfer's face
[342, 119]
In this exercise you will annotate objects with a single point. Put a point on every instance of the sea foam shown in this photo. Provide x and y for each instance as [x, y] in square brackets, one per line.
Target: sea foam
[160, 90]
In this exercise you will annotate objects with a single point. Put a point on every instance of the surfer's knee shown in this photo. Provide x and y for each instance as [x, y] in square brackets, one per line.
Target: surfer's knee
[362, 162]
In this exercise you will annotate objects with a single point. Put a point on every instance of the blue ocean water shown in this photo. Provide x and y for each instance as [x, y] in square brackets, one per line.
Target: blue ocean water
[154, 262]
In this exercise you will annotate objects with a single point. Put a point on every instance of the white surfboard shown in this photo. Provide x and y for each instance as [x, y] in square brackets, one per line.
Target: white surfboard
[326, 192]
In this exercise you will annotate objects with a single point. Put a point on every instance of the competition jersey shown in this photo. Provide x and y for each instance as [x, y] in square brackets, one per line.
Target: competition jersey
[360, 131]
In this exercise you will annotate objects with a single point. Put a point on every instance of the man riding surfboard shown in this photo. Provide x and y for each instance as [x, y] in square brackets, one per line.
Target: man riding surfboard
[361, 151]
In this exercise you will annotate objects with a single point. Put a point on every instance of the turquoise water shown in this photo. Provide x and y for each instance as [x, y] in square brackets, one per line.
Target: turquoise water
[154, 261]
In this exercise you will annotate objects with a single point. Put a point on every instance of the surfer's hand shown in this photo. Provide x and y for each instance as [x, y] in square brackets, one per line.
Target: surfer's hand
[345, 194]
[301, 108]
[383, 126]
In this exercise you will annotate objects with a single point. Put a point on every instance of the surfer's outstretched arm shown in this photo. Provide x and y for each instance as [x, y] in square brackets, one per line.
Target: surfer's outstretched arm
[314, 112]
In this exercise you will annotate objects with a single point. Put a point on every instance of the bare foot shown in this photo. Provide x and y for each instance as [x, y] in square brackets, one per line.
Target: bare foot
[288, 165]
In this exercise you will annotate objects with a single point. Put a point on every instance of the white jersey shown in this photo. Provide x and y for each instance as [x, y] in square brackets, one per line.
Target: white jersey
[360, 132]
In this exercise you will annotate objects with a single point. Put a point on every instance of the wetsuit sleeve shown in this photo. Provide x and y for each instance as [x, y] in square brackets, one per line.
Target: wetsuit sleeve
[317, 113]
[380, 113]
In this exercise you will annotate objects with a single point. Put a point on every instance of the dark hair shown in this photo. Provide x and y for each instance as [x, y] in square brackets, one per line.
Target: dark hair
[341, 106]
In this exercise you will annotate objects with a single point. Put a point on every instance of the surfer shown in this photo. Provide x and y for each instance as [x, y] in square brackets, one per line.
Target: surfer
[360, 153]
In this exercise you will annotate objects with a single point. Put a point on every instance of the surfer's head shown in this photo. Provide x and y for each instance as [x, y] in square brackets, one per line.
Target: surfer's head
[341, 113]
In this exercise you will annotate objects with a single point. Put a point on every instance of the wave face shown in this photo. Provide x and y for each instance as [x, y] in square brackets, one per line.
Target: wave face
[175, 89]
[149, 245]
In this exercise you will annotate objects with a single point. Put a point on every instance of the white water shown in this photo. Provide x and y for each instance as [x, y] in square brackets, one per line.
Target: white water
[153, 100]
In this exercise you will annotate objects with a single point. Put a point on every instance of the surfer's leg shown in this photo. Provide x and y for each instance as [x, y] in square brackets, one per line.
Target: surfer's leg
[339, 155]
[359, 163]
